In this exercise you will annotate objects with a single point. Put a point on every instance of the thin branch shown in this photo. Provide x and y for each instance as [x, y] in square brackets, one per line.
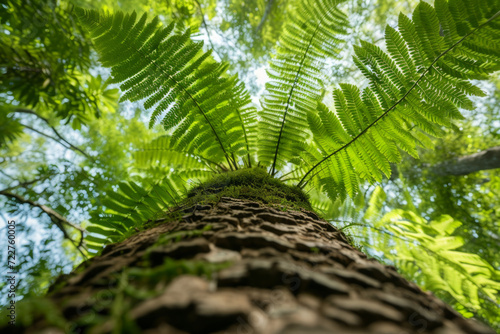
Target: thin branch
[56, 217]
[73, 147]
[25, 184]
[45, 135]
[10, 177]
[206, 28]
[267, 11]
[428, 69]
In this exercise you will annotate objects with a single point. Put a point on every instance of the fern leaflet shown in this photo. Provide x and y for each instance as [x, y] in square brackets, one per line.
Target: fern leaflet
[130, 207]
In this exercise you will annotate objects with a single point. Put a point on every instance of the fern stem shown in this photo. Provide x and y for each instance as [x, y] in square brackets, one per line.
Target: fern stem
[246, 137]
[345, 146]
[229, 163]
[273, 168]
[267, 11]
[234, 161]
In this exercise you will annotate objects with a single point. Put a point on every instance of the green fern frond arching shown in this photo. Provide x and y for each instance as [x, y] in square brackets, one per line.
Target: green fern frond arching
[414, 89]
[435, 251]
[310, 36]
[428, 251]
[160, 152]
[130, 207]
[190, 93]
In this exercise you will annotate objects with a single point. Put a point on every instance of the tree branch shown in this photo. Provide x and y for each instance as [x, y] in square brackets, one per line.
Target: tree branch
[56, 217]
[71, 146]
[24, 184]
[45, 135]
[267, 11]
[206, 28]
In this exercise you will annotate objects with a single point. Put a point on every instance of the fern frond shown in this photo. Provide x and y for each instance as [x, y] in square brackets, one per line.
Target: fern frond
[161, 152]
[189, 92]
[10, 128]
[429, 250]
[415, 88]
[443, 267]
[130, 207]
[310, 37]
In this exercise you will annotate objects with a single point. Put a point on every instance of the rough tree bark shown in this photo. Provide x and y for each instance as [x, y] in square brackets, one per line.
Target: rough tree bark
[289, 272]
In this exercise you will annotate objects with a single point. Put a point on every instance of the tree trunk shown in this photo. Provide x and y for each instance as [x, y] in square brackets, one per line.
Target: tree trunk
[484, 160]
[487, 159]
[285, 272]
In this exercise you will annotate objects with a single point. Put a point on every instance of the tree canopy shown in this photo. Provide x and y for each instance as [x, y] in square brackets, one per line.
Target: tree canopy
[109, 117]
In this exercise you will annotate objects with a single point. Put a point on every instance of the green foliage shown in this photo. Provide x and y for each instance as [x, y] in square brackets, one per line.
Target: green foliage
[417, 84]
[429, 253]
[10, 128]
[413, 90]
[310, 37]
[129, 208]
[207, 110]
[38, 36]
[433, 249]
[30, 310]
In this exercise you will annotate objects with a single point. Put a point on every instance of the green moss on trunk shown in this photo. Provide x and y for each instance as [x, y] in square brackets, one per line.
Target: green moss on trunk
[251, 184]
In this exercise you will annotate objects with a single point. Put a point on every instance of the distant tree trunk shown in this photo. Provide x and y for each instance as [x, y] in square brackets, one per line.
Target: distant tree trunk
[290, 272]
[488, 159]
[484, 160]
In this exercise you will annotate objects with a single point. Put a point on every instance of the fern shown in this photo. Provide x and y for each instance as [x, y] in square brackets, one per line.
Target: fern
[205, 109]
[10, 128]
[433, 249]
[130, 207]
[426, 250]
[162, 153]
[414, 89]
[416, 85]
[310, 37]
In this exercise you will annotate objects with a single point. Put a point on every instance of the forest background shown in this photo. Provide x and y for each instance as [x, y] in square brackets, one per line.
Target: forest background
[65, 141]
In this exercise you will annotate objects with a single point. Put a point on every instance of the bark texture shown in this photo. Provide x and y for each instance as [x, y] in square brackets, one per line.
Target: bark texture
[290, 272]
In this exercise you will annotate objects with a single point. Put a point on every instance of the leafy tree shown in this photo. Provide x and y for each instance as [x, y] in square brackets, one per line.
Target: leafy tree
[416, 85]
